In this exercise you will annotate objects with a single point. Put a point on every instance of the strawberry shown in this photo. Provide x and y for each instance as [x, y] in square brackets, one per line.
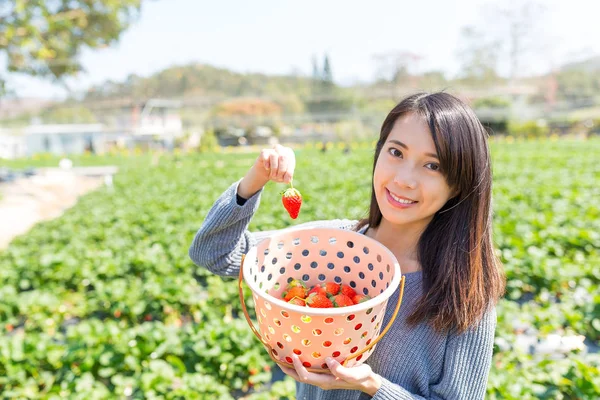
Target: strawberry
[318, 289]
[316, 300]
[341, 300]
[292, 201]
[348, 291]
[296, 291]
[360, 298]
[297, 301]
[332, 288]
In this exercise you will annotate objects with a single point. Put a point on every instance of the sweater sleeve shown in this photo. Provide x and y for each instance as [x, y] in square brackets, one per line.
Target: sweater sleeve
[467, 364]
[224, 237]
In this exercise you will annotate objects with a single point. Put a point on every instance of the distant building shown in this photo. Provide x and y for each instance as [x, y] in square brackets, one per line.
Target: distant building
[122, 124]
[65, 139]
[12, 145]
[156, 117]
[147, 123]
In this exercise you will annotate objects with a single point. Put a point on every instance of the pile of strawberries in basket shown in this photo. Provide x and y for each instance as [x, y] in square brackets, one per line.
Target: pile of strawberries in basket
[323, 295]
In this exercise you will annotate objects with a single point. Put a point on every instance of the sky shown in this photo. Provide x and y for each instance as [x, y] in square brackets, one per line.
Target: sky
[281, 37]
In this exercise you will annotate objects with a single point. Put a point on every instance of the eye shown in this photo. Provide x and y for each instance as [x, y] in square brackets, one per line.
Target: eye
[433, 166]
[395, 152]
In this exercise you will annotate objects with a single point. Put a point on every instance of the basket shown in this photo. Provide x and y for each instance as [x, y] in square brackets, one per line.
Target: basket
[316, 255]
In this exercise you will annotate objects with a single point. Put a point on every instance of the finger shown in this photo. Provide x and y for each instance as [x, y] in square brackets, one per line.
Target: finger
[337, 369]
[291, 167]
[264, 158]
[302, 372]
[324, 381]
[283, 166]
[274, 161]
[291, 372]
[347, 374]
[287, 178]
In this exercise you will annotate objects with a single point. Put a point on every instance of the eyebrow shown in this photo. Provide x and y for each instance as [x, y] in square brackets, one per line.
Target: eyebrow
[399, 143]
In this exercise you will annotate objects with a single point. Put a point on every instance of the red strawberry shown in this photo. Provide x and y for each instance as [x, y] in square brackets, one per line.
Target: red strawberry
[348, 291]
[332, 288]
[297, 301]
[292, 201]
[360, 298]
[318, 289]
[341, 300]
[296, 291]
[316, 300]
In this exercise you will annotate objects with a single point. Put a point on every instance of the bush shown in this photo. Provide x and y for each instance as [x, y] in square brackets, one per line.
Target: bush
[491, 102]
[528, 129]
[208, 142]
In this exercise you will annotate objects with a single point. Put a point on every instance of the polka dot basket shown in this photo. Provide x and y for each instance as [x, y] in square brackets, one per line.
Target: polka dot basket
[318, 255]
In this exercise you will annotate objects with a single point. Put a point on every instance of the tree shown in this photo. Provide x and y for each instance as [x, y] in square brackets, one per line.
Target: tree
[519, 22]
[246, 113]
[68, 115]
[509, 33]
[434, 80]
[396, 69]
[316, 75]
[326, 97]
[45, 37]
[479, 57]
[577, 84]
[327, 74]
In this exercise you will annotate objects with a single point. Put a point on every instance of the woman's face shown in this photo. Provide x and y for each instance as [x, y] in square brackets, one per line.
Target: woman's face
[409, 185]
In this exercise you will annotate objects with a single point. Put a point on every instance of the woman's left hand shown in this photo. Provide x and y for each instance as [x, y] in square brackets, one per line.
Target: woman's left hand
[360, 378]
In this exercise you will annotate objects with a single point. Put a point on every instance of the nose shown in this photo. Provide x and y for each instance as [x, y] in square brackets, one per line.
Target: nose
[406, 177]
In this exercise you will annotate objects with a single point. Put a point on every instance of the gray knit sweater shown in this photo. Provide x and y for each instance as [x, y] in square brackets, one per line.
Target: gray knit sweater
[414, 362]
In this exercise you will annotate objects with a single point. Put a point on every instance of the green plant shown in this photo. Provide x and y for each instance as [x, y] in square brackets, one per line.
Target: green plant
[208, 141]
[102, 301]
[528, 129]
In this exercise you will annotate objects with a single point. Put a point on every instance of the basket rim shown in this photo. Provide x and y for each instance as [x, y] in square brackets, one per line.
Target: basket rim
[375, 301]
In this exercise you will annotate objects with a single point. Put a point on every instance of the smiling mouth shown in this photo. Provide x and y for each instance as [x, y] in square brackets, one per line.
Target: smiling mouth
[400, 200]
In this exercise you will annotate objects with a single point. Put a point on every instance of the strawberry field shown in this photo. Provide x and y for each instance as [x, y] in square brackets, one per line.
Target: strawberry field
[100, 303]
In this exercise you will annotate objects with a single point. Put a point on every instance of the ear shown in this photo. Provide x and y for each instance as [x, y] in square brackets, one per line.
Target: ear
[454, 192]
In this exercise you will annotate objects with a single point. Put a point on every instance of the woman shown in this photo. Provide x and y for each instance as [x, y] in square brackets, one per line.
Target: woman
[431, 206]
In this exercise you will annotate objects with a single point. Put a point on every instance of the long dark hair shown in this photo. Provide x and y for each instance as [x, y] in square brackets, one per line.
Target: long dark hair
[462, 277]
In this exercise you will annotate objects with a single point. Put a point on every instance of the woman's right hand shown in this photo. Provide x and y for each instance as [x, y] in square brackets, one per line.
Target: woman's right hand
[276, 164]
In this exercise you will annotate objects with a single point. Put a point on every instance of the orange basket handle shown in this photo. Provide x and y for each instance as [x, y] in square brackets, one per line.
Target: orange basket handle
[258, 335]
[387, 328]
